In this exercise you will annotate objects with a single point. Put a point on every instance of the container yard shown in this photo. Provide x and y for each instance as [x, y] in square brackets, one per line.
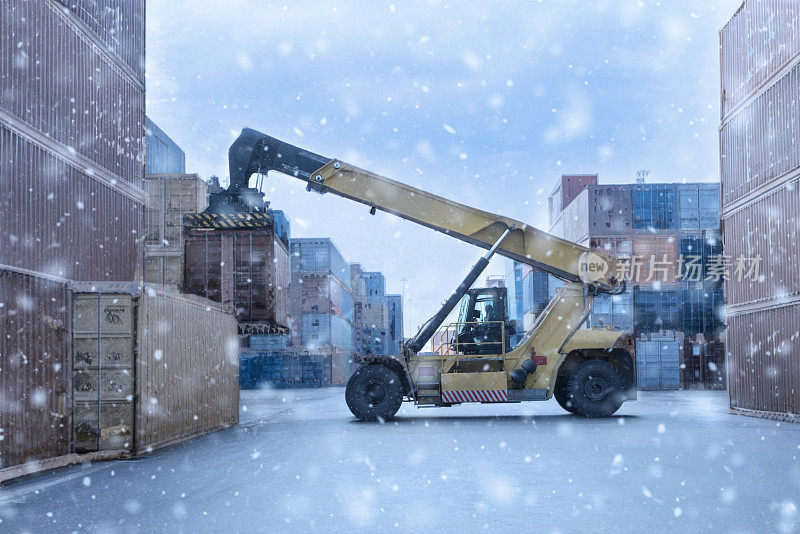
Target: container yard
[759, 169]
[241, 273]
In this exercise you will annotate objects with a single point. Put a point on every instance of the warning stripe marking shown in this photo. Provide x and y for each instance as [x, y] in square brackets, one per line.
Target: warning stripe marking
[229, 220]
[475, 395]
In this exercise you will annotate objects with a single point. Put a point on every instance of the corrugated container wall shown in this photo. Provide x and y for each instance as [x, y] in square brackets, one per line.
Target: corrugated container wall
[60, 83]
[759, 139]
[60, 221]
[767, 229]
[187, 369]
[72, 138]
[164, 156]
[760, 142]
[763, 347]
[761, 38]
[34, 368]
[72, 144]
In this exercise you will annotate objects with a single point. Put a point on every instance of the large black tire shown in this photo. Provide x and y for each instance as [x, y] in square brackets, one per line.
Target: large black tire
[560, 393]
[595, 389]
[374, 393]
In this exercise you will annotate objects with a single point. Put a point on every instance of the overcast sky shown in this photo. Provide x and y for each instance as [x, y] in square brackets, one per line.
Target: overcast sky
[485, 103]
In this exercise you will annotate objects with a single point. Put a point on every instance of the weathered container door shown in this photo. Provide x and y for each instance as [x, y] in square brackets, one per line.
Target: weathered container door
[103, 376]
[658, 364]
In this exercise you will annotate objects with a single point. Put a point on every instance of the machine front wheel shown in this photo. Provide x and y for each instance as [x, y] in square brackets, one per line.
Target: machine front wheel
[595, 389]
[374, 393]
[560, 393]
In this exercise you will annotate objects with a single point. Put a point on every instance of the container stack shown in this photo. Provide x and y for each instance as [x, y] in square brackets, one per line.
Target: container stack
[284, 369]
[72, 144]
[169, 198]
[667, 238]
[759, 136]
[322, 310]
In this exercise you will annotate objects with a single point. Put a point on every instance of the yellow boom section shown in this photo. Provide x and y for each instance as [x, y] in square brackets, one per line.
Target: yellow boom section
[525, 244]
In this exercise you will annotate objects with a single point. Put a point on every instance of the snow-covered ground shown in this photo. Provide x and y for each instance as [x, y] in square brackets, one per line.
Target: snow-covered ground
[673, 461]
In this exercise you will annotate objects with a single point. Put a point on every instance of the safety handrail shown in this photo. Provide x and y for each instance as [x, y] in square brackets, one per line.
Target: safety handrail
[449, 348]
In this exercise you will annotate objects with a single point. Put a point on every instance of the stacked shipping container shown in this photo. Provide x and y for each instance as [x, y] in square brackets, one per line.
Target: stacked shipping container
[321, 303]
[168, 198]
[667, 238]
[72, 139]
[164, 156]
[760, 166]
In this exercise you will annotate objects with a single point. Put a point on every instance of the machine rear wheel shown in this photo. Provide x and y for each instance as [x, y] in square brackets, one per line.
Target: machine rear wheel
[374, 393]
[595, 389]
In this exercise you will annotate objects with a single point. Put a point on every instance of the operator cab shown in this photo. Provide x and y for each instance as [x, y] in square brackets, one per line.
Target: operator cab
[483, 324]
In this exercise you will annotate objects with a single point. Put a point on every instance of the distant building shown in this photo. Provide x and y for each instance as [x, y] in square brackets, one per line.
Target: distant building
[394, 330]
[378, 317]
[163, 155]
[666, 238]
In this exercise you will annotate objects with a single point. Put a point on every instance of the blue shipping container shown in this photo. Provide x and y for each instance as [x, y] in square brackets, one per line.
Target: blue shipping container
[163, 155]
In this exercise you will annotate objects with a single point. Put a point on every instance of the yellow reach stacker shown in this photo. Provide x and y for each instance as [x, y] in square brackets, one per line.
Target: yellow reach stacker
[590, 372]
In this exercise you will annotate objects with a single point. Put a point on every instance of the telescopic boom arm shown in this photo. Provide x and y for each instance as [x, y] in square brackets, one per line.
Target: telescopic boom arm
[254, 152]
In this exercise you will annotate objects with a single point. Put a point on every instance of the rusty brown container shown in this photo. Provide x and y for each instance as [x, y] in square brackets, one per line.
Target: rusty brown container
[34, 368]
[763, 370]
[245, 269]
[67, 224]
[760, 165]
[759, 143]
[187, 369]
[764, 233]
[60, 84]
[760, 40]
